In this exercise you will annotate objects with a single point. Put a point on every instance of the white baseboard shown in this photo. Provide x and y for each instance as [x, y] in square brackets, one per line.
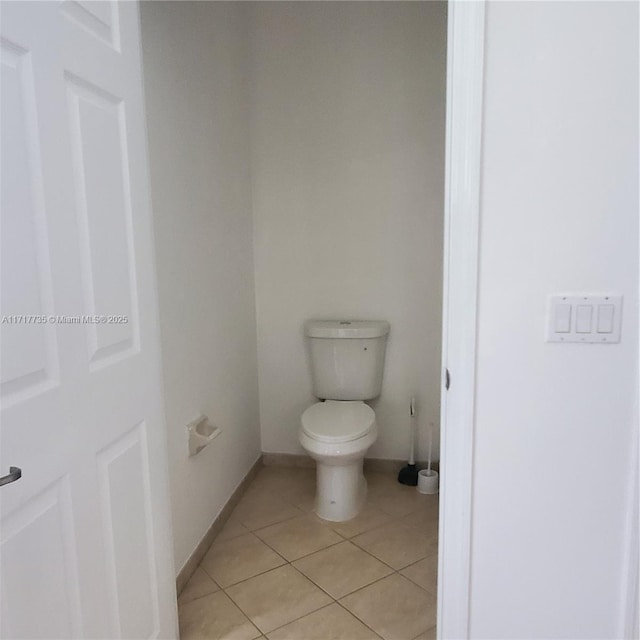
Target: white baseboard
[377, 465]
[203, 546]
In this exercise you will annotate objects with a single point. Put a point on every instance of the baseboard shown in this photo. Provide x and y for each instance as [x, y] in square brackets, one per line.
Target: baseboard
[203, 546]
[377, 465]
[385, 465]
[287, 460]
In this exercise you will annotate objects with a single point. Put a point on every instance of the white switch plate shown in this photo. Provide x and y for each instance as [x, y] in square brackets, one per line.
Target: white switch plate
[584, 318]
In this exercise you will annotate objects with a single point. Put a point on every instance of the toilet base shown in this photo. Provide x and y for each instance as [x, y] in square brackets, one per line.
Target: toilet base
[341, 490]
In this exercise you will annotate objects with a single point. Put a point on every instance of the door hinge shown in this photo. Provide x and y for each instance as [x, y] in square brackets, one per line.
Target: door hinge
[447, 379]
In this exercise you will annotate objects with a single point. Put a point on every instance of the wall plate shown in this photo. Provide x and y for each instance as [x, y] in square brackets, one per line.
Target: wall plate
[582, 318]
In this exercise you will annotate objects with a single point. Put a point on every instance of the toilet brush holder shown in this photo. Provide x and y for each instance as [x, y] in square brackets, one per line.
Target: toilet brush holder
[427, 481]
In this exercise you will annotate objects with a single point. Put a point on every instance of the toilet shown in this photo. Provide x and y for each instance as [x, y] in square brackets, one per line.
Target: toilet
[347, 361]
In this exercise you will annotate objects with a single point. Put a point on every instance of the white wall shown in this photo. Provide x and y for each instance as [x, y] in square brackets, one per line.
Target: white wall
[554, 422]
[196, 86]
[347, 169]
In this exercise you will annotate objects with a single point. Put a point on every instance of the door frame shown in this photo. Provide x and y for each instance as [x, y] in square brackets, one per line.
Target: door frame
[629, 626]
[465, 82]
[465, 77]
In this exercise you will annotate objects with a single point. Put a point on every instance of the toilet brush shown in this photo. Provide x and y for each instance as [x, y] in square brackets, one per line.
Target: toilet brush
[430, 448]
[409, 474]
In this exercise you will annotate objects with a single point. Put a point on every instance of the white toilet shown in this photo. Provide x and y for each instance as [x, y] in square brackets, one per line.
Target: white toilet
[347, 361]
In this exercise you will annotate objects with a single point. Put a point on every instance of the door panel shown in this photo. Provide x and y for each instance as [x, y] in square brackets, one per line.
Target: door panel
[124, 496]
[98, 17]
[101, 181]
[29, 361]
[44, 526]
[85, 533]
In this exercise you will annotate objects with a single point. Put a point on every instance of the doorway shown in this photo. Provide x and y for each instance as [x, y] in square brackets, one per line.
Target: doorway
[346, 111]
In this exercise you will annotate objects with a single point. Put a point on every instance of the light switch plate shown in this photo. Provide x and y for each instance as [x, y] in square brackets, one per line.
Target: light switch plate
[589, 319]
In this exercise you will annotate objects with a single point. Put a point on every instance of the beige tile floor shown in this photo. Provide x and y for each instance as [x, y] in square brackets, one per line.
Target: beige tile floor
[279, 572]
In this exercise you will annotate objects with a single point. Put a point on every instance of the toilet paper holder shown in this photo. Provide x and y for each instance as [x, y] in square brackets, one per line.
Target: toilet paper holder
[201, 433]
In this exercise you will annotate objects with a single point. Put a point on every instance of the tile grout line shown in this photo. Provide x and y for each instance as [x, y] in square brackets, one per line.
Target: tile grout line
[303, 513]
[273, 524]
[303, 616]
[286, 501]
[353, 613]
[359, 620]
[308, 515]
[287, 562]
[244, 613]
[386, 563]
[333, 600]
[393, 571]
[290, 562]
[366, 586]
[261, 573]
[235, 604]
[343, 538]
[371, 555]
[264, 633]
[333, 544]
[253, 576]
[434, 627]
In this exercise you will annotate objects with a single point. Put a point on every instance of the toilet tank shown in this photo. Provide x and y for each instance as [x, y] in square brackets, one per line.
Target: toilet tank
[347, 358]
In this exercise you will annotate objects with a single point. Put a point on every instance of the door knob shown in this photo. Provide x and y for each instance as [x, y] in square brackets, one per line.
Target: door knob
[15, 473]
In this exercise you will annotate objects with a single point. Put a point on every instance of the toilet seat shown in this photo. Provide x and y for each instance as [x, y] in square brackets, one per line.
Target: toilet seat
[337, 421]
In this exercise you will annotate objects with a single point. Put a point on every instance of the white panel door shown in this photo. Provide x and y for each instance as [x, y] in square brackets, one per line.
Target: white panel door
[85, 533]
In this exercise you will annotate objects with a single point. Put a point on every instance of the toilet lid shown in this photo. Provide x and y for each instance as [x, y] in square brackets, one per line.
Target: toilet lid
[338, 421]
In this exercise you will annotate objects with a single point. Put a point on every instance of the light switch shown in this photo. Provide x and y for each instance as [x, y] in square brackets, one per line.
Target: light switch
[584, 315]
[562, 320]
[584, 318]
[605, 318]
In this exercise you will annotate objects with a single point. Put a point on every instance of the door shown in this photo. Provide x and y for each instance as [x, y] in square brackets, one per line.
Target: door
[85, 534]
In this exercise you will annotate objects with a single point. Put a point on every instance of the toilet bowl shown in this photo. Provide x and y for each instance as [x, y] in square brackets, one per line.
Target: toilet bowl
[337, 434]
[347, 361]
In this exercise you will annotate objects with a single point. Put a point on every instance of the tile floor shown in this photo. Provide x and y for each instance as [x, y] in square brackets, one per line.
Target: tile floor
[277, 571]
